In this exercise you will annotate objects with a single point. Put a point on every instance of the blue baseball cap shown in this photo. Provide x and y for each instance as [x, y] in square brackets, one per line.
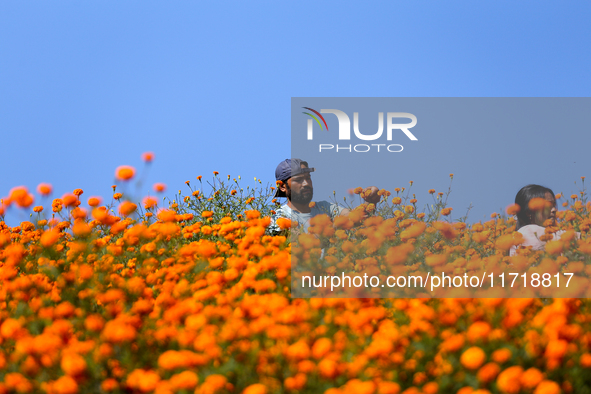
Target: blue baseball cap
[288, 168]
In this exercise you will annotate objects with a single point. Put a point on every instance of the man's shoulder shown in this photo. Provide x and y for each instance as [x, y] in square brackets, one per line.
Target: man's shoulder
[283, 211]
[329, 208]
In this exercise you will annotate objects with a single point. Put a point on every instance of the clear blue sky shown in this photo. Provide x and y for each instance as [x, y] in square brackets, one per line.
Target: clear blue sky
[88, 86]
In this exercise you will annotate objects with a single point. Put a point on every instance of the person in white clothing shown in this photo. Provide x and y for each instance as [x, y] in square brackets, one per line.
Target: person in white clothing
[533, 217]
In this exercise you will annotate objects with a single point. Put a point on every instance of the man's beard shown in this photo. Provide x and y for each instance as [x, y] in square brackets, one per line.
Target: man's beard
[300, 198]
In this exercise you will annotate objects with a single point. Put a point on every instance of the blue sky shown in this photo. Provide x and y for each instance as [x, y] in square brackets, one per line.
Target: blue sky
[88, 86]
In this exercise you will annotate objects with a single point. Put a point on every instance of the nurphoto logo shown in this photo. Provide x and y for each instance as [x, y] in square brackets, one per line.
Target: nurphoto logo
[345, 130]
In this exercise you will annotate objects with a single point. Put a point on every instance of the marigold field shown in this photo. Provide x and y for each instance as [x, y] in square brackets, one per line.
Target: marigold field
[193, 295]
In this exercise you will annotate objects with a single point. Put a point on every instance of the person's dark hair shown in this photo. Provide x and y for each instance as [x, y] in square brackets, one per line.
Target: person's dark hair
[525, 215]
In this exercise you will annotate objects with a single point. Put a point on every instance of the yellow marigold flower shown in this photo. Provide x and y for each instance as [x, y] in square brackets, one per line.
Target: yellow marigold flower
[473, 358]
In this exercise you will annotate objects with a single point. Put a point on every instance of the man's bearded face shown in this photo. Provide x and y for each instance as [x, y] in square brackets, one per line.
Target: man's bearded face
[299, 189]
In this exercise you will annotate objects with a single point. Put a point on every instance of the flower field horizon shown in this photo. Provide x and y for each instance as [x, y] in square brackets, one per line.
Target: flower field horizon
[194, 295]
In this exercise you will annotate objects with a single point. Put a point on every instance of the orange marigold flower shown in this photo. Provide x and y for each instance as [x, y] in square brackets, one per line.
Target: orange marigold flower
[9, 328]
[547, 387]
[167, 215]
[585, 360]
[446, 211]
[538, 204]
[73, 364]
[117, 196]
[215, 173]
[21, 196]
[554, 247]
[284, 223]
[94, 323]
[206, 214]
[117, 332]
[109, 384]
[65, 385]
[126, 208]
[186, 380]
[488, 372]
[501, 355]
[81, 228]
[69, 200]
[509, 381]
[38, 208]
[149, 202]
[142, 380]
[94, 201]
[396, 200]
[44, 189]
[49, 237]
[531, 378]
[478, 331]
[148, 157]
[556, 348]
[78, 192]
[473, 358]
[159, 187]
[256, 388]
[124, 173]
[513, 209]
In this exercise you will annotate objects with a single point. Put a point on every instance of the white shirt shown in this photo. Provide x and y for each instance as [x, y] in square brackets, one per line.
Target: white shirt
[531, 235]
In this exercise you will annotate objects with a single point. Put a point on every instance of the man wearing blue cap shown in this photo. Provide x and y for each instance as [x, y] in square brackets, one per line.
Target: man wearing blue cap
[295, 183]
